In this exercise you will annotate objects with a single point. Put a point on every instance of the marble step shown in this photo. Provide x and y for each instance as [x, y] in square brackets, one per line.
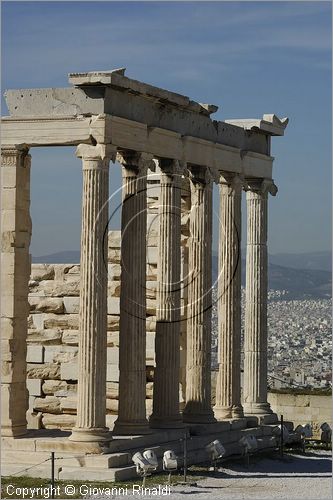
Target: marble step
[96, 474]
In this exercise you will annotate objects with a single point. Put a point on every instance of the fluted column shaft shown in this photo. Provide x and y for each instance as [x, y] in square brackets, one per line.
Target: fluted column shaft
[91, 410]
[167, 340]
[132, 336]
[228, 394]
[255, 341]
[15, 273]
[198, 361]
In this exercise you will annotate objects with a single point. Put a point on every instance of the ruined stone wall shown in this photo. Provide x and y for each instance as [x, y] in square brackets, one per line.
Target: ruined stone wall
[53, 339]
[303, 408]
[52, 353]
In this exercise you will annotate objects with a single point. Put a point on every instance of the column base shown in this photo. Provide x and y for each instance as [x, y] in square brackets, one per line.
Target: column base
[93, 435]
[172, 422]
[257, 409]
[223, 412]
[228, 412]
[131, 428]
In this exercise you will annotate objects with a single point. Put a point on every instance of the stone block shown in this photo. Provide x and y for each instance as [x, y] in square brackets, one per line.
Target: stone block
[153, 222]
[152, 255]
[151, 289]
[149, 407]
[34, 386]
[114, 240]
[53, 386]
[38, 321]
[46, 305]
[113, 323]
[321, 401]
[34, 421]
[114, 289]
[152, 240]
[69, 371]
[71, 271]
[113, 355]
[43, 371]
[151, 307]
[68, 405]
[114, 272]
[150, 342]
[55, 288]
[35, 354]
[113, 339]
[151, 324]
[149, 390]
[49, 404]
[303, 400]
[50, 336]
[112, 390]
[150, 356]
[60, 354]
[41, 272]
[114, 256]
[112, 406]
[63, 421]
[110, 420]
[151, 272]
[112, 373]
[71, 305]
[113, 305]
[153, 190]
[62, 321]
[70, 337]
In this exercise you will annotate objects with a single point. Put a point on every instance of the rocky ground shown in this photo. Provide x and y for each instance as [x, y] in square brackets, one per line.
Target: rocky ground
[295, 476]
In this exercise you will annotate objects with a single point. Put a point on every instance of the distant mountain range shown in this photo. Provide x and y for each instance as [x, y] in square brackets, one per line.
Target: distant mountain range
[305, 275]
[299, 283]
[314, 260]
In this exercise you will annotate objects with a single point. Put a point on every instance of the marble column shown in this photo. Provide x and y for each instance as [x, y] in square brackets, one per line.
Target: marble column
[255, 341]
[228, 393]
[198, 361]
[91, 410]
[167, 339]
[15, 273]
[132, 338]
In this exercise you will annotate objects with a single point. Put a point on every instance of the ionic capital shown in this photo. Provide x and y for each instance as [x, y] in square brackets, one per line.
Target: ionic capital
[261, 186]
[134, 162]
[233, 181]
[199, 174]
[170, 166]
[12, 156]
[100, 154]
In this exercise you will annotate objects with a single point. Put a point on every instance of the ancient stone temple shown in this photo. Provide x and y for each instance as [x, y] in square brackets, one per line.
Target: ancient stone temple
[171, 153]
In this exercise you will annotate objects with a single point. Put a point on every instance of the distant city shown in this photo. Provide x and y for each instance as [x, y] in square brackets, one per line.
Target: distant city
[299, 340]
[299, 317]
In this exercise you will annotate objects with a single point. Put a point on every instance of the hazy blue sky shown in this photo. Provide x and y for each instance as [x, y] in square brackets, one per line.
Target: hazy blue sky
[249, 58]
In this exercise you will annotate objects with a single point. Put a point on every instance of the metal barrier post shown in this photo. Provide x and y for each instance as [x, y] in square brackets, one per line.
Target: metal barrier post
[281, 437]
[52, 474]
